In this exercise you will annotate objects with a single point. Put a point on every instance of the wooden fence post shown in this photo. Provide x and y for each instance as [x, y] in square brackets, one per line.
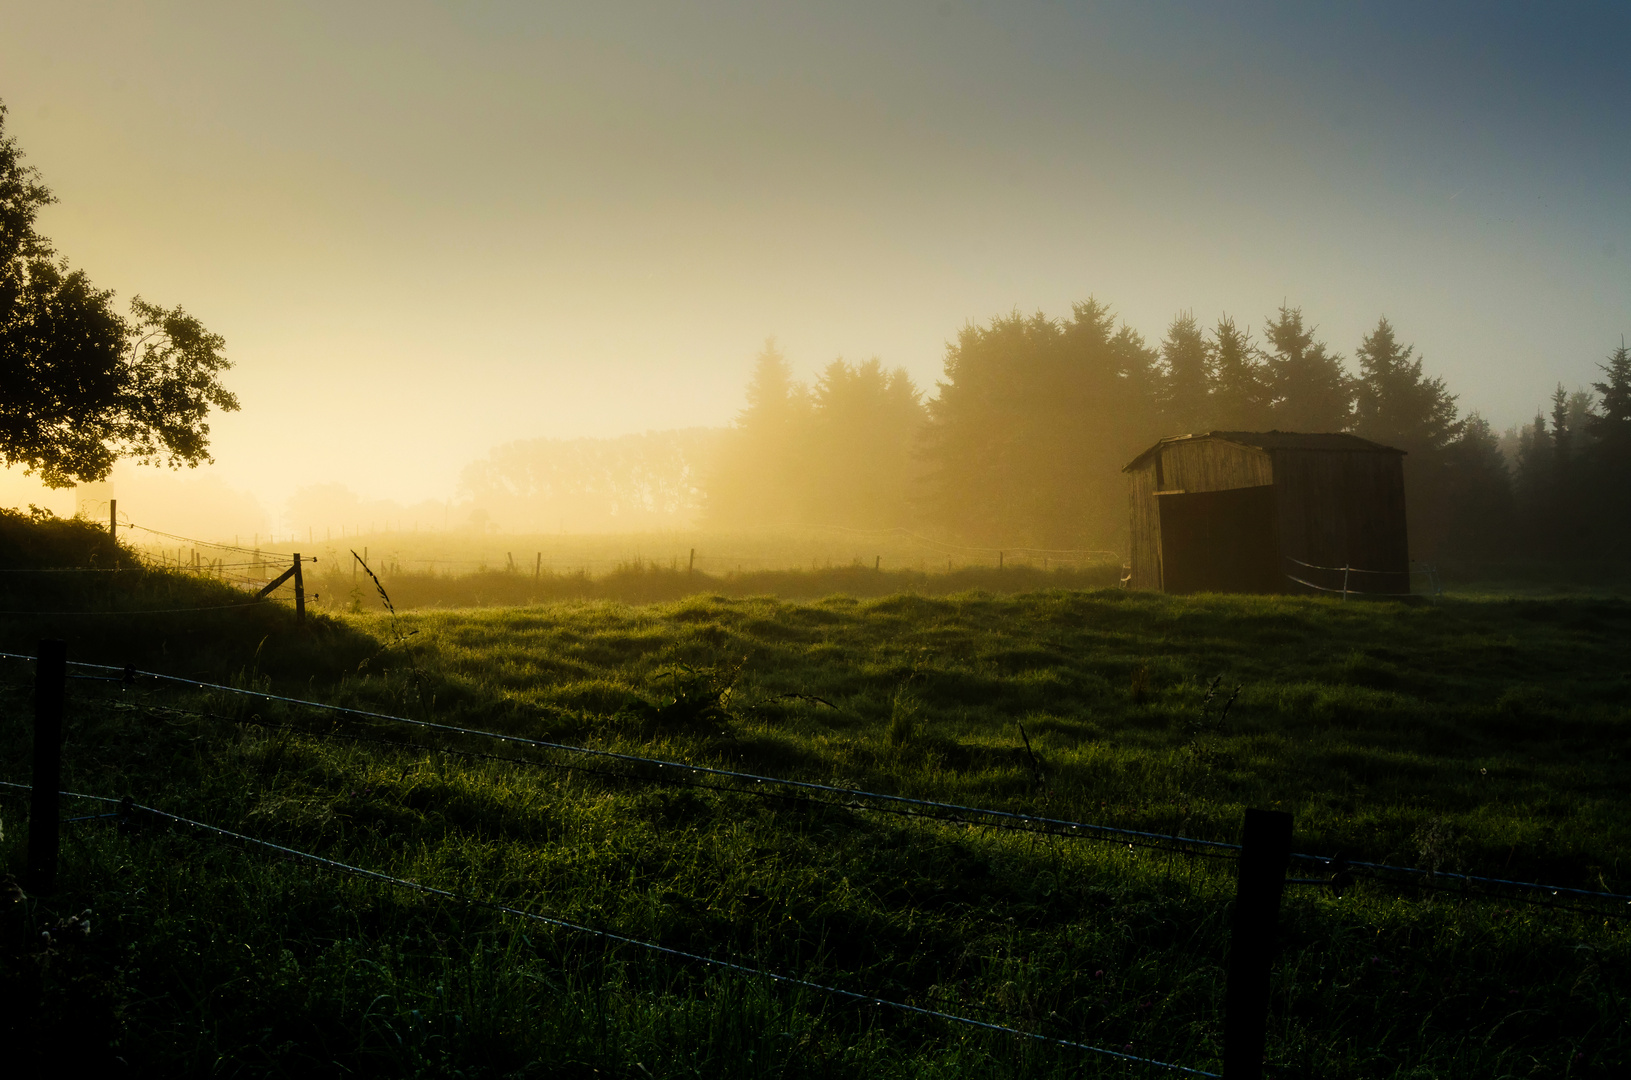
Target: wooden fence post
[299, 591]
[1265, 852]
[691, 565]
[113, 519]
[538, 566]
[45, 811]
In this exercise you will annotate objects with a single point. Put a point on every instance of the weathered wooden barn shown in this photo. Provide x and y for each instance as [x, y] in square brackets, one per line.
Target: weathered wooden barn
[1254, 511]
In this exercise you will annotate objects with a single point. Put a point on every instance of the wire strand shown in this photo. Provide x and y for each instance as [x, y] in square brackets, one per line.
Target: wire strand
[662, 763]
[651, 946]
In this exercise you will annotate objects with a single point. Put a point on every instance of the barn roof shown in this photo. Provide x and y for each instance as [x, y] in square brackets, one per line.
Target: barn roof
[1276, 440]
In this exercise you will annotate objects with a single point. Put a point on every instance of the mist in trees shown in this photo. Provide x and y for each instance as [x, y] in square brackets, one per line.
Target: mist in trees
[1023, 439]
[839, 453]
[633, 483]
[1029, 414]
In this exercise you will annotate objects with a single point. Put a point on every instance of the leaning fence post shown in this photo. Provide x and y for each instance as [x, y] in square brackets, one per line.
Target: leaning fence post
[1265, 852]
[299, 591]
[44, 816]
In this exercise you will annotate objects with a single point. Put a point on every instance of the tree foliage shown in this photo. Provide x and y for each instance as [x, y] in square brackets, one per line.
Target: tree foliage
[1396, 403]
[1308, 388]
[81, 385]
[1240, 389]
[1033, 418]
[1185, 376]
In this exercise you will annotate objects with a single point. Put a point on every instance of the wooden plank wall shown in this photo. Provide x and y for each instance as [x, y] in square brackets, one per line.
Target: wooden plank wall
[1345, 507]
[1144, 526]
[1213, 465]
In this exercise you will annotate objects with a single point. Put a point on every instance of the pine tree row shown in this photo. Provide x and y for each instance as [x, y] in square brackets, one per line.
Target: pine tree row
[1034, 417]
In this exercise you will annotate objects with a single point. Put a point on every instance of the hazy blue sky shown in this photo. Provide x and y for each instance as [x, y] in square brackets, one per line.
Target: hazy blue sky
[426, 229]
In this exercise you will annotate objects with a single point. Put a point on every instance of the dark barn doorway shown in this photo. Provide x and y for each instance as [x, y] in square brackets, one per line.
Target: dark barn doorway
[1220, 541]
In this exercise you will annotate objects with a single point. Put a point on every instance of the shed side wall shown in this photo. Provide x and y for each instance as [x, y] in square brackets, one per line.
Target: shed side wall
[1144, 527]
[1214, 465]
[1341, 508]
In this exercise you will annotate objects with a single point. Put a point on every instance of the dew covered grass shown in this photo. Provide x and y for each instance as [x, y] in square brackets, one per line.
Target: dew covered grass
[1482, 735]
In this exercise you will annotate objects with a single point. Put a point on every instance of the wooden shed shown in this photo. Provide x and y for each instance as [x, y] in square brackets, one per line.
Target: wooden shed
[1268, 511]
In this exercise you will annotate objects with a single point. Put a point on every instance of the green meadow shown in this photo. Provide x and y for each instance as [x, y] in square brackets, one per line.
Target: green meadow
[1486, 735]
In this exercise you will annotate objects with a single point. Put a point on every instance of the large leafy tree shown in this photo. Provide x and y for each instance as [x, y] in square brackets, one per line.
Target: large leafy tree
[81, 385]
[1308, 388]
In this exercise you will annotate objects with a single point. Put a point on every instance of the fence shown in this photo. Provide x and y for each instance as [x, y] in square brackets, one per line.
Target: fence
[1351, 587]
[1262, 858]
[255, 574]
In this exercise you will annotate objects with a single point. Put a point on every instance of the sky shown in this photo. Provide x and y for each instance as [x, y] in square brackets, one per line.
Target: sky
[428, 229]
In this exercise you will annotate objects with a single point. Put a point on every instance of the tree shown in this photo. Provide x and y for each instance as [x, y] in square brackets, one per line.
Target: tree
[759, 475]
[1396, 404]
[1240, 397]
[1308, 388]
[1562, 438]
[859, 458]
[1186, 377]
[1479, 493]
[80, 385]
[1611, 426]
[1609, 449]
[1033, 421]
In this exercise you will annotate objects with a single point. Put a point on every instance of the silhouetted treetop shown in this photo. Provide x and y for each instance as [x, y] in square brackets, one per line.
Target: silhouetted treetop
[81, 385]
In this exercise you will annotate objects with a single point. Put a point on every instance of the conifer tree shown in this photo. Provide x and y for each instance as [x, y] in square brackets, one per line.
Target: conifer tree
[1186, 377]
[1562, 436]
[1395, 403]
[759, 474]
[858, 460]
[1611, 425]
[1532, 485]
[1610, 448]
[1308, 388]
[1239, 394]
[1479, 493]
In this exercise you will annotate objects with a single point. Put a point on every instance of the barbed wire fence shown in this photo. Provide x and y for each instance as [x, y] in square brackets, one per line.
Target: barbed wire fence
[1262, 859]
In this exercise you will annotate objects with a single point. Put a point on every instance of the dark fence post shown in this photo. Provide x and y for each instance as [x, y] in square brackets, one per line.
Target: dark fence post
[299, 591]
[1265, 852]
[691, 564]
[45, 811]
[113, 519]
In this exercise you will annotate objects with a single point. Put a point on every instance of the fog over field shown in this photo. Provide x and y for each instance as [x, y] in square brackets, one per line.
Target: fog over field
[500, 268]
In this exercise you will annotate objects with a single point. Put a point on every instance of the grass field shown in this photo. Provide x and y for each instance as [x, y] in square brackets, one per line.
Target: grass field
[1481, 735]
[451, 569]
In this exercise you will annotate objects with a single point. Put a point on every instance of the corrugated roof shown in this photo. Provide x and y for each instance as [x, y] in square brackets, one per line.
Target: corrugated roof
[1278, 440]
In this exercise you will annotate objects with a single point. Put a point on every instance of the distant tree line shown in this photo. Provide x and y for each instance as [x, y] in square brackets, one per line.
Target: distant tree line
[1024, 440]
[631, 483]
[1571, 485]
